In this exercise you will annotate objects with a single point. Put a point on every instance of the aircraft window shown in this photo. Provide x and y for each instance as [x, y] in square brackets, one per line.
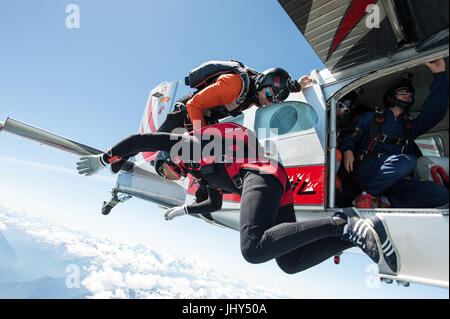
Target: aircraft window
[283, 118]
[431, 146]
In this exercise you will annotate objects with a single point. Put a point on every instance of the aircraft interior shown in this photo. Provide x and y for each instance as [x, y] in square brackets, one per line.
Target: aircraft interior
[433, 146]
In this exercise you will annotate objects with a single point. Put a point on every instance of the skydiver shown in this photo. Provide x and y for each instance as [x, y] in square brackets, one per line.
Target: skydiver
[268, 226]
[229, 92]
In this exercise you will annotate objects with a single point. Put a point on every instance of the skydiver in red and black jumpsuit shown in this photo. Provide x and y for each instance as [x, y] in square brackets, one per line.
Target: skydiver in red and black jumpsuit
[268, 226]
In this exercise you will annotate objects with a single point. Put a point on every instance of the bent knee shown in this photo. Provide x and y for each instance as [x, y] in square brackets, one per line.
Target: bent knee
[440, 194]
[287, 269]
[252, 256]
[290, 266]
[407, 164]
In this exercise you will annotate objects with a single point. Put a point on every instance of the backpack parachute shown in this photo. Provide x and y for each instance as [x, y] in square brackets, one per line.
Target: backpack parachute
[207, 72]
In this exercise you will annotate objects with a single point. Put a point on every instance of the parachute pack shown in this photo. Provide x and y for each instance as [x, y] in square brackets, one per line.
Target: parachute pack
[207, 72]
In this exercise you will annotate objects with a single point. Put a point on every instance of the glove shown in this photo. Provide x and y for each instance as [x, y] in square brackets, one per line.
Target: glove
[175, 212]
[90, 165]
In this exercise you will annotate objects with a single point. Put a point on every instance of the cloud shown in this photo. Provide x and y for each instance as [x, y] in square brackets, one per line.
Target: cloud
[113, 269]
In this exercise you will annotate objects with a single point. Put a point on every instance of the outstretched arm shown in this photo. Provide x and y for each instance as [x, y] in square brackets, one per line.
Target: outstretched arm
[151, 142]
[436, 104]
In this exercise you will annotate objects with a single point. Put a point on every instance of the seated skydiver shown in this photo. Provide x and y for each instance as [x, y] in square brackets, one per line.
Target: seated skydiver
[383, 141]
[268, 226]
[347, 113]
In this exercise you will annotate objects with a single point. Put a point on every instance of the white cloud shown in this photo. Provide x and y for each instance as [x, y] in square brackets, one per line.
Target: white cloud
[119, 270]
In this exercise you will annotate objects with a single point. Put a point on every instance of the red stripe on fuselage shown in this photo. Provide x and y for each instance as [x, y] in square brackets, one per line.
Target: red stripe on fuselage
[150, 156]
[354, 14]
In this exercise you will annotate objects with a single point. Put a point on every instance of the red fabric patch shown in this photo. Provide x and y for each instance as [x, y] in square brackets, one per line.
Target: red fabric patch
[276, 82]
[114, 159]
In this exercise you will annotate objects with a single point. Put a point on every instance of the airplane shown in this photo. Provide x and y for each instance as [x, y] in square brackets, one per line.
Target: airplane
[365, 44]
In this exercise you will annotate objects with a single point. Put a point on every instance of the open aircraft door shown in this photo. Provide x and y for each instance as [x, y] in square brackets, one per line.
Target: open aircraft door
[360, 41]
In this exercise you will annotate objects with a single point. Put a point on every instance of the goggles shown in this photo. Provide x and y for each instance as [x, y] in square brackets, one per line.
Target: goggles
[404, 92]
[344, 108]
[160, 170]
[270, 98]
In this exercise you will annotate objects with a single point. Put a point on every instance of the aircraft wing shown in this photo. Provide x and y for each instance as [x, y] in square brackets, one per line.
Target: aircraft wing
[42, 137]
[347, 34]
[34, 134]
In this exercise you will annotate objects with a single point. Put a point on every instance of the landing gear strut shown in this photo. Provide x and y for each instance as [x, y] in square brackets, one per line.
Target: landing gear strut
[115, 199]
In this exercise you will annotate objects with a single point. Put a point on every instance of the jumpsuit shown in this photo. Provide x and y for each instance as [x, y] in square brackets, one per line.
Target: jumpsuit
[390, 172]
[268, 227]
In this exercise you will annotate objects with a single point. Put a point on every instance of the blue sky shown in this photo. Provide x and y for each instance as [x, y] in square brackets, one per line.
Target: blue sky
[91, 84]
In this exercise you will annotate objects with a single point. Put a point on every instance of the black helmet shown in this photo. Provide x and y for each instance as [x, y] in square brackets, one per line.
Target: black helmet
[164, 157]
[160, 158]
[390, 98]
[347, 104]
[279, 80]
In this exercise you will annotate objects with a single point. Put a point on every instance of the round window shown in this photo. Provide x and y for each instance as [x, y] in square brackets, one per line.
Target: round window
[284, 119]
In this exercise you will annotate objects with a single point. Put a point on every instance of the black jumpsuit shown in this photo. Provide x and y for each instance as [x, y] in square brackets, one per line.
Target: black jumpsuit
[267, 230]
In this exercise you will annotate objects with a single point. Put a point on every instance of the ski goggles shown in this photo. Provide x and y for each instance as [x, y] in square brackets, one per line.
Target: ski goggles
[343, 107]
[160, 171]
[270, 97]
[404, 92]
[283, 93]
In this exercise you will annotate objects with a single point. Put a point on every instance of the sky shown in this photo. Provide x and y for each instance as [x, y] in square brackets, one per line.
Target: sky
[91, 83]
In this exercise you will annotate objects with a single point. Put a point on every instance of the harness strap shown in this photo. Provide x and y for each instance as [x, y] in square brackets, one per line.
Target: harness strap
[376, 136]
[375, 129]
[407, 129]
[243, 94]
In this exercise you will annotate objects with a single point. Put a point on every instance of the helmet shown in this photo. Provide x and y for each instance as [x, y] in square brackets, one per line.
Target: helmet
[279, 80]
[390, 98]
[164, 157]
[347, 104]
[160, 158]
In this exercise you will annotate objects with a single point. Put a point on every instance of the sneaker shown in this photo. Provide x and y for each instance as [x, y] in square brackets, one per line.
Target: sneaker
[364, 201]
[390, 254]
[360, 233]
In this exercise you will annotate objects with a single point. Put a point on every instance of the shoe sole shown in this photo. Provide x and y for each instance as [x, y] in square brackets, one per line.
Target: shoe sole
[368, 227]
[386, 230]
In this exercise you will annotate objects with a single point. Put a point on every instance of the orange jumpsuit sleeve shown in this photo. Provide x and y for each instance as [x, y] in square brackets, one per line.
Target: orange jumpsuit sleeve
[224, 91]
